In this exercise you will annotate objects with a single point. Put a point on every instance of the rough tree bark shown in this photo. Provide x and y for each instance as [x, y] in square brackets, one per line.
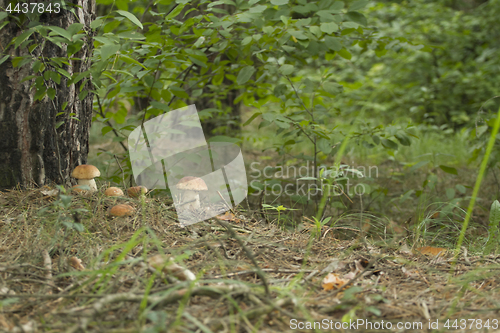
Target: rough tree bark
[32, 150]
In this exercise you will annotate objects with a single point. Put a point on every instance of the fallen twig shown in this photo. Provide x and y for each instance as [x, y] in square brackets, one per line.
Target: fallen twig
[47, 264]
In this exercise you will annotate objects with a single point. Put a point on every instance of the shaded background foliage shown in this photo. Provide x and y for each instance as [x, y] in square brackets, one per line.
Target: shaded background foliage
[301, 71]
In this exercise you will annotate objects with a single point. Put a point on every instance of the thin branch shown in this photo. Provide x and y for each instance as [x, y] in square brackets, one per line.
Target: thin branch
[249, 254]
[47, 263]
[101, 113]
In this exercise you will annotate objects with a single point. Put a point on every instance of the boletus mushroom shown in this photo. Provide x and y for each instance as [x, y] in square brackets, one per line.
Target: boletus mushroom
[191, 188]
[85, 174]
[137, 191]
[113, 192]
[122, 210]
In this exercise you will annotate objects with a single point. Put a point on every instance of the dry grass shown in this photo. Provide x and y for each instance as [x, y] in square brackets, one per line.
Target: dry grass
[251, 276]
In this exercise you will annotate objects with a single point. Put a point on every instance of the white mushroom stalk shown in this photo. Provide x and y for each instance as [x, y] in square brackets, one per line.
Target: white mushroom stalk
[89, 182]
[192, 197]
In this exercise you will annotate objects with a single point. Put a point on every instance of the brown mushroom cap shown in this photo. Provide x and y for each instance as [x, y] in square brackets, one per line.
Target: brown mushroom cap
[137, 191]
[122, 210]
[85, 171]
[113, 192]
[190, 183]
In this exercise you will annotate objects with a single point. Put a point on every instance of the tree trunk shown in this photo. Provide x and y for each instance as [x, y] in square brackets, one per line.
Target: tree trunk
[33, 149]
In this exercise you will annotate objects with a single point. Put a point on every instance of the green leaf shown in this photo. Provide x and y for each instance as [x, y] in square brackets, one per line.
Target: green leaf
[22, 37]
[83, 94]
[245, 74]
[307, 178]
[280, 90]
[325, 146]
[333, 43]
[448, 169]
[255, 115]
[493, 236]
[282, 124]
[247, 40]
[389, 144]
[131, 17]
[297, 34]
[279, 2]
[357, 18]
[495, 212]
[27, 78]
[55, 77]
[160, 106]
[179, 92]
[337, 5]
[329, 27]
[199, 42]
[477, 132]
[129, 60]
[177, 10]
[376, 139]
[418, 165]
[315, 30]
[4, 58]
[257, 9]
[287, 69]
[333, 88]
[345, 54]
[75, 28]
[109, 50]
[403, 139]
[51, 92]
[450, 193]
[460, 188]
[40, 93]
[358, 5]
[106, 129]
[217, 79]
[61, 32]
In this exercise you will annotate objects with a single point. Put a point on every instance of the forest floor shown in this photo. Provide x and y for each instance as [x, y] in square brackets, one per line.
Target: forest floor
[67, 266]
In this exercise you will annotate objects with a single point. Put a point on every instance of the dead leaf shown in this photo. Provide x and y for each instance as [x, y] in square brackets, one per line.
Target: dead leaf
[228, 216]
[49, 193]
[404, 249]
[435, 215]
[431, 251]
[333, 281]
[76, 263]
[396, 229]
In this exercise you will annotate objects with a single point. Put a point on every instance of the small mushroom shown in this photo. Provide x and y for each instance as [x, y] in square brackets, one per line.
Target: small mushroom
[78, 189]
[137, 191]
[85, 174]
[168, 266]
[113, 192]
[191, 186]
[76, 263]
[122, 210]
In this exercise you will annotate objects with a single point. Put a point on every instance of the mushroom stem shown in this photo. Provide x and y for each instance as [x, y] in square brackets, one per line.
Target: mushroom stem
[192, 198]
[89, 182]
